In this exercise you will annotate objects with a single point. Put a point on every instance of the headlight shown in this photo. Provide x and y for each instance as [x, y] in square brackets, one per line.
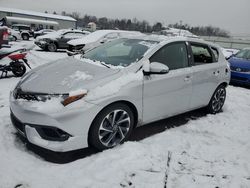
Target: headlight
[74, 97]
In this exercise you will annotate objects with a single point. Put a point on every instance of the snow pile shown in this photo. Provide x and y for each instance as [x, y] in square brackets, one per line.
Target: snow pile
[98, 63]
[76, 77]
[113, 86]
[78, 92]
[49, 106]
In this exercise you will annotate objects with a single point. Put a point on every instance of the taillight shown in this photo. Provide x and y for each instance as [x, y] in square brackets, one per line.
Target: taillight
[5, 35]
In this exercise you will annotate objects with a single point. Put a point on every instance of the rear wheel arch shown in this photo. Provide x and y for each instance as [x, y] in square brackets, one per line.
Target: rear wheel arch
[209, 107]
[225, 84]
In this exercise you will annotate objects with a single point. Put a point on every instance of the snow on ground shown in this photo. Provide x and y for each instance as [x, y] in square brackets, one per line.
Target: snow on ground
[211, 151]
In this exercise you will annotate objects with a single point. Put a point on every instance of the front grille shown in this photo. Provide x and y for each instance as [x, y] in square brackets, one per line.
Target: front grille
[238, 69]
[19, 94]
[75, 48]
[26, 96]
[17, 123]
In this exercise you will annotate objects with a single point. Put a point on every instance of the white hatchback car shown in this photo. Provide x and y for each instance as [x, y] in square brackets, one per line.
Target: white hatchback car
[98, 98]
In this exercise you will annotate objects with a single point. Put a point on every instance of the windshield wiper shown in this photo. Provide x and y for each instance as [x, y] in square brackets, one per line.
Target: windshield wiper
[82, 56]
[105, 65]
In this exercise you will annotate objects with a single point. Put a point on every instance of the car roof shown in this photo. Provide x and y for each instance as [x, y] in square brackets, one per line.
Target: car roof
[165, 39]
[74, 30]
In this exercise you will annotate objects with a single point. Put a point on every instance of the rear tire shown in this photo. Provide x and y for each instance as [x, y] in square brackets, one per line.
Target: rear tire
[112, 126]
[25, 37]
[19, 70]
[217, 101]
[15, 39]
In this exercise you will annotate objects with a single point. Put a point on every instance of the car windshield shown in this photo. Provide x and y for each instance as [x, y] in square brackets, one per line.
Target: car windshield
[120, 52]
[244, 54]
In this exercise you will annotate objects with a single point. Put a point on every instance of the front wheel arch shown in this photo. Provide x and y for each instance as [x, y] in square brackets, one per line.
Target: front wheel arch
[130, 105]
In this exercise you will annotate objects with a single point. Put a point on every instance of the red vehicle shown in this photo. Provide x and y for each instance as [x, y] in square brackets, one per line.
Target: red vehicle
[4, 35]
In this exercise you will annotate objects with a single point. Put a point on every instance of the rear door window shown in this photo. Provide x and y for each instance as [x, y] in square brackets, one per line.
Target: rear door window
[201, 54]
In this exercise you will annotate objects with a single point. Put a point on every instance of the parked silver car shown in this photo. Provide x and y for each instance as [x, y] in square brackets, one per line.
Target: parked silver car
[97, 38]
[98, 98]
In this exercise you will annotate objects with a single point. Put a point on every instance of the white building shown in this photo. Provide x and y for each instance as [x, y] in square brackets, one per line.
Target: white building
[36, 20]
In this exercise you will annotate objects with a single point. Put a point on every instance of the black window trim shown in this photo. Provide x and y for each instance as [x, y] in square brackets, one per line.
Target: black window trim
[214, 58]
[176, 42]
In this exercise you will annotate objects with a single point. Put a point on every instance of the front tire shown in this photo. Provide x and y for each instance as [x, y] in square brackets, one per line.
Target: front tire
[19, 70]
[112, 126]
[217, 101]
[52, 47]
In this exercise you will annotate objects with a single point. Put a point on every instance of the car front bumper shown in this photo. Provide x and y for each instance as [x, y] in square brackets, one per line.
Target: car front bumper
[41, 44]
[72, 124]
[240, 77]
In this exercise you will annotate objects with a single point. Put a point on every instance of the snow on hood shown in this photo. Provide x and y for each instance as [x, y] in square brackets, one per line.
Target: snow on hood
[114, 86]
[93, 37]
[64, 76]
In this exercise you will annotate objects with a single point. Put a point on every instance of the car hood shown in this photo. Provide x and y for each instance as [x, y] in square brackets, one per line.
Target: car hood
[239, 62]
[65, 76]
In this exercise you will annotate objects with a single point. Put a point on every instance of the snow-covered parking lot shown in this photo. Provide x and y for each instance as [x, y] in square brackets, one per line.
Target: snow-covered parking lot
[207, 151]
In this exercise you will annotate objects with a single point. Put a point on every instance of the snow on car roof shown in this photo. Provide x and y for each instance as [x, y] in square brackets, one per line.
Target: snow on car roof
[58, 33]
[95, 36]
[33, 13]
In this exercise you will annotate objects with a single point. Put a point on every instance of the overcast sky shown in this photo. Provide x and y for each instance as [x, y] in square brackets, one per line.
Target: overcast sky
[232, 15]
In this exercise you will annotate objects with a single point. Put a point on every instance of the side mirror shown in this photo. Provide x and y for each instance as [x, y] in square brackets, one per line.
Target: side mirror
[103, 40]
[232, 55]
[154, 68]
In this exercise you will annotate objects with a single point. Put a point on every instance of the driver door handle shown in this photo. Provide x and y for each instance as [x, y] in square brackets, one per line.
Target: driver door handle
[187, 78]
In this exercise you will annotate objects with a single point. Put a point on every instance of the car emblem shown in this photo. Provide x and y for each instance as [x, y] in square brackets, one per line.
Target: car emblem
[238, 69]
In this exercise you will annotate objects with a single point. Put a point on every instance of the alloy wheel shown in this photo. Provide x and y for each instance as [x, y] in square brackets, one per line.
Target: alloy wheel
[114, 128]
[52, 47]
[218, 99]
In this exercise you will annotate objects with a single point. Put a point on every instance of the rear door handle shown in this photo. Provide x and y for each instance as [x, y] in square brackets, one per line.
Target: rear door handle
[216, 73]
